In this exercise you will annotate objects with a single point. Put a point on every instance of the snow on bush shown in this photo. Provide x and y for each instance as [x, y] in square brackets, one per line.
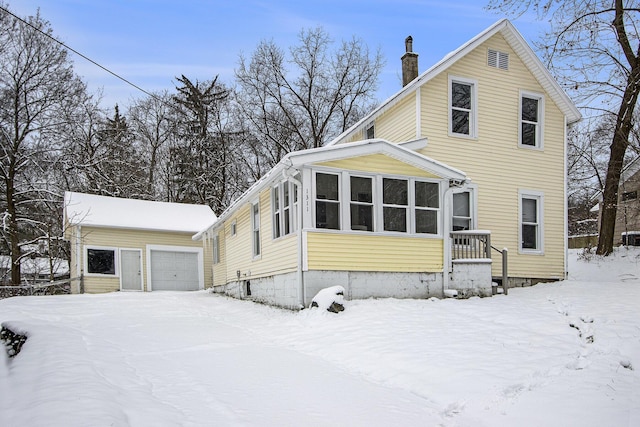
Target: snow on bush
[330, 299]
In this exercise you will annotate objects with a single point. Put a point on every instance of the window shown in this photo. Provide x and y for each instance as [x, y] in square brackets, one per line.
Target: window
[498, 59]
[370, 132]
[233, 228]
[531, 113]
[377, 203]
[255, 226]
[327, 201]
[277, 212]
[395, 203]
[462, 211]
[284, 199]
[531, 222]
[361, 203]
[427, 203]
[216, 249]
[101, 261]
[462, 100]
[629, 195]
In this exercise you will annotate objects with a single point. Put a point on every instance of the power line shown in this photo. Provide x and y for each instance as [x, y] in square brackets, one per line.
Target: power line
[85, 57]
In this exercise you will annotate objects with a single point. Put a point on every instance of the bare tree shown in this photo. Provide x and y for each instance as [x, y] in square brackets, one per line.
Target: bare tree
[593, 47]
[323, 94]
[154, 123]
[200, 159]
[36, 83]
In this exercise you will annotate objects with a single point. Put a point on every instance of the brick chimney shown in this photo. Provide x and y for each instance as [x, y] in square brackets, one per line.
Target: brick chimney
[409, 62]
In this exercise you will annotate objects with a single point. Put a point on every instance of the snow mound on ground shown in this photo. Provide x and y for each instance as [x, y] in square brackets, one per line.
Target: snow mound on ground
[331, 299]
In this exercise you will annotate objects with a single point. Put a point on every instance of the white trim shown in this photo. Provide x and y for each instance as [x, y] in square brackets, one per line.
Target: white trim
[473, 111]
[472, 189]
[141, 278]
[565, 228]
[539, 145]
[166, 248]
[418, 114]
[539, 197]
[116, 260]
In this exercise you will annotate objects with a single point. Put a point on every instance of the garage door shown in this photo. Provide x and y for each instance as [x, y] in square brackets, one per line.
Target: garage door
[174, 271]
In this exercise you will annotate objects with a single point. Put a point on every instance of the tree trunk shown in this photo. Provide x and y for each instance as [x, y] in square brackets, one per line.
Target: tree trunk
[616, 158]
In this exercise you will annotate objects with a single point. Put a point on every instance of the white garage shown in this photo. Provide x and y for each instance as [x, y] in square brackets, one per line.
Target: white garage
[175, 269]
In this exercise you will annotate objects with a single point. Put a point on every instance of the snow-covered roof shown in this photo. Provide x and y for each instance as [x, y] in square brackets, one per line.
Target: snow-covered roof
[517, 43]
[102, 211]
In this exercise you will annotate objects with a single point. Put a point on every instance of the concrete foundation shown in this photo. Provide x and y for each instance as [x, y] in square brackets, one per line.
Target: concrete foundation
[471, 277]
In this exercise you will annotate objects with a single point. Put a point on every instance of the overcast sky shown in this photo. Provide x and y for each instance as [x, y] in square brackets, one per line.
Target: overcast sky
[150, 42]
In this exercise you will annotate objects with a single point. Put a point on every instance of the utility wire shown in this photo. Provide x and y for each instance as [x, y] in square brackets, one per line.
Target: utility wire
[85, 57]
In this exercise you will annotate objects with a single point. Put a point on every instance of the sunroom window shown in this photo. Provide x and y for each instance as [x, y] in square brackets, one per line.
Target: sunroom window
[327, 201]
[361, 203]
[395, 204]
[427, 203]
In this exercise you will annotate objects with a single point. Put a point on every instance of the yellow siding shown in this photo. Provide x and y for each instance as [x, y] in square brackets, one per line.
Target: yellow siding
[277, 256]
[350, 252]
[133, 239]
[378, 163]
[399, 122]
[495, 162]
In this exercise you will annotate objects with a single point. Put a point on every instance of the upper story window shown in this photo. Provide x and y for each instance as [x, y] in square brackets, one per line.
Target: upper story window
[531, 119]
[370, 132]
[327, 201]
[462, 107]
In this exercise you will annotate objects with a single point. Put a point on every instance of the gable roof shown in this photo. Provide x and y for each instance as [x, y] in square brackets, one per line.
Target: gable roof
[517, 43]
[102, 211]
[297, 159]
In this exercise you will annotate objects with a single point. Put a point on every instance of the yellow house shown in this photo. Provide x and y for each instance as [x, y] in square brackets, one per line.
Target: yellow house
[409, 201]
[135, 245]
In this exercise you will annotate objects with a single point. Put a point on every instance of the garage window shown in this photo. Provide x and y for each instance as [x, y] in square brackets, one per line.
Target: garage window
[101, 261]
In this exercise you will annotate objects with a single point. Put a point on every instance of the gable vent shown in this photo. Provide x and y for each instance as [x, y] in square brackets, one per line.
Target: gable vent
[498, 59]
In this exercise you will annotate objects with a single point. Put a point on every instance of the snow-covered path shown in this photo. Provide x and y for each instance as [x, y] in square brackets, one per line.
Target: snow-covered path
[561, 354]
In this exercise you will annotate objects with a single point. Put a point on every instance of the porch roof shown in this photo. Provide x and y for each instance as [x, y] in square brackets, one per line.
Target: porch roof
[292, 162]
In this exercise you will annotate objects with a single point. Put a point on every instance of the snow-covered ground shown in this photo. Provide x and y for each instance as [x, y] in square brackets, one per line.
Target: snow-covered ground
[561, 354]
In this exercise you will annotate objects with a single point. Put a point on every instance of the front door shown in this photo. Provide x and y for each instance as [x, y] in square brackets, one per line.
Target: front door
[130, 270]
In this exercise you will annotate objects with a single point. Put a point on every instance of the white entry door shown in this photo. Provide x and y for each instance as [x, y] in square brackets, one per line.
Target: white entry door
[131, 269]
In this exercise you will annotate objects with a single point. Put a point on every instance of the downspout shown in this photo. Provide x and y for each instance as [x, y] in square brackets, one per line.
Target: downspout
[78, 257]
[301, 287]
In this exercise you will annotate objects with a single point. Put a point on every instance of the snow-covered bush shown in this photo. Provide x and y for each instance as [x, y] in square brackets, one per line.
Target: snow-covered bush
[330, 299]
